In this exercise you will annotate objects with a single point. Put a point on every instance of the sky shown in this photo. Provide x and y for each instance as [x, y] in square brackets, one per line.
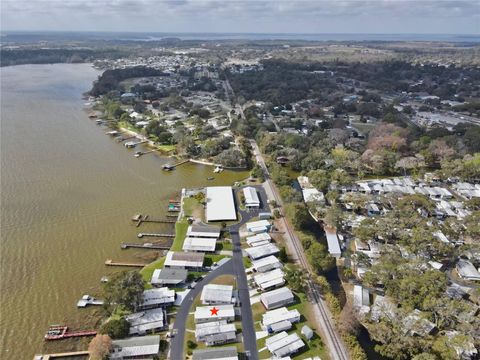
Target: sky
[244, 16]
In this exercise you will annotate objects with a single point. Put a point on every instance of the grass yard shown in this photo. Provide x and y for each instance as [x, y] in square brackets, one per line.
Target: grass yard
[224, 245]
[224, 280]
[166, 148]
[181, 228]
[210, 259]
[147, 271]
[247, 263]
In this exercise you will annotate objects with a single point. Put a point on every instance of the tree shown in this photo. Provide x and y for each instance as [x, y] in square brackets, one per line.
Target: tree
[333, 217]
[116, 328]
[296, 279]
[124, 289]
[299, 215]
[319, 258]
[320, 179]
[100, 347]
[348, 322]
[282, 255]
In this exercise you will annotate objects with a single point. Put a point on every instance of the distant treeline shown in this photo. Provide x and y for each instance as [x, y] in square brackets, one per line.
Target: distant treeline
[51, 56]
[110, 79]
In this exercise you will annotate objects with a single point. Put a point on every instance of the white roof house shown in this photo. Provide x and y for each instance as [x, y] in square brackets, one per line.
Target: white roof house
[313, 195]
[145, 321]
[203, 231]
[204, 314]
[216, 332]
[277, 298]
[217, 294]
[184, 259]
[251, 197]
[224, 353]
[281, 314]
[333, 245]
[467, 271]
[220, 204]
[258, 252]
[361, 299]
[282, 344]
[135, 347]
[199, 244]
[154, 298]
[267, 280]
[258, 239]
[266, 264]
[259, 226]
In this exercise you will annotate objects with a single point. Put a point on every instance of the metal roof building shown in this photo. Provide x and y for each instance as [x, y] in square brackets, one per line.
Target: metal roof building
[467, 271]
[332, 241]
[154, 298]
[281, 314]
[199, 244]
[269, 279]
[135, 347]
[258, 252]
[259, 226]
[283, 344]
[217, 294]
[266, 264]
[258, 239]
[182, 260]
[224, 353]
[276, 298]
[146, 321]
[203, 231]
[361, 299]
[203, 313]
[251, 197]
[220, 204]
[217, 332]
[168, 276]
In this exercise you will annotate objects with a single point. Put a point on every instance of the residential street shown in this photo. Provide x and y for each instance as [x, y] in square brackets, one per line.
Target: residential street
[232, 267]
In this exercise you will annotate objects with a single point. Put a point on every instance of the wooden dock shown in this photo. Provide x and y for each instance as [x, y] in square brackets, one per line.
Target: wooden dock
[141, 235]
[170, 167]
[61, 355]
[148, 246]
[110, 262]
[139, 219]
[61, 332]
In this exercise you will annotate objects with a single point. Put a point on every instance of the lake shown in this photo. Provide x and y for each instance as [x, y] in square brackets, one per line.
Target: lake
[68, 192]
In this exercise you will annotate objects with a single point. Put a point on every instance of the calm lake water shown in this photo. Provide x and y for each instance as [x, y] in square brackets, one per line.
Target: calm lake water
[68, 192]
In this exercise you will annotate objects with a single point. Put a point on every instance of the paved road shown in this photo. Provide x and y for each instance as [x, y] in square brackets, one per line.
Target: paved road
[176, 343]
[233, 267]
[335, 344]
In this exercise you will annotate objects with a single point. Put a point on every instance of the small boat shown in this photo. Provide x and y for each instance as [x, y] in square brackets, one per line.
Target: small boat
[138, 154]
[218, 169]
[130, 144]
[168, 167]
[210, 178]
[104, 279]
[112, 133]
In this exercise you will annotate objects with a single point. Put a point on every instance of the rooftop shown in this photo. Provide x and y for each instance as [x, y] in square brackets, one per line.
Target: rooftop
[280, 314]
[135, 347]
[169, 276]
[220, 204]
[224, 353]
[217, 293]
[199, 244]
[184, 259]
[258, 252]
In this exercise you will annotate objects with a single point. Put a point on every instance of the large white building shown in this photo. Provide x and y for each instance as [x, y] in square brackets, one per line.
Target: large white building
[220, 204]
[251, 197]
[216, 332]
[199, 244]
[279, 315]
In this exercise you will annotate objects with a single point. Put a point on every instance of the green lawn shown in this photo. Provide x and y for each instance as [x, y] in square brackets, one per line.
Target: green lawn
[181, 228]
[166, 148]
[210, 259]
[247, 263]
[224, 245]
[147, 271]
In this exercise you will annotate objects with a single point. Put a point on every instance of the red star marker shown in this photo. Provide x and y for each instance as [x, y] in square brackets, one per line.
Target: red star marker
[214, 311]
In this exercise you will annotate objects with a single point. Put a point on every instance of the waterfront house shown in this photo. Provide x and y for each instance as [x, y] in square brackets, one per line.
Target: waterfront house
[203, 231]
[277, 298]
[197, 244]
[184, 260]
[147, 321]
[155, 298]
[144, 347]
[169, 276]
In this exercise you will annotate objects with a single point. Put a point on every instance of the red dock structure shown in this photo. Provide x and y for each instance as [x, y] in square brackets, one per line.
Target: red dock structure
[59, 332]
